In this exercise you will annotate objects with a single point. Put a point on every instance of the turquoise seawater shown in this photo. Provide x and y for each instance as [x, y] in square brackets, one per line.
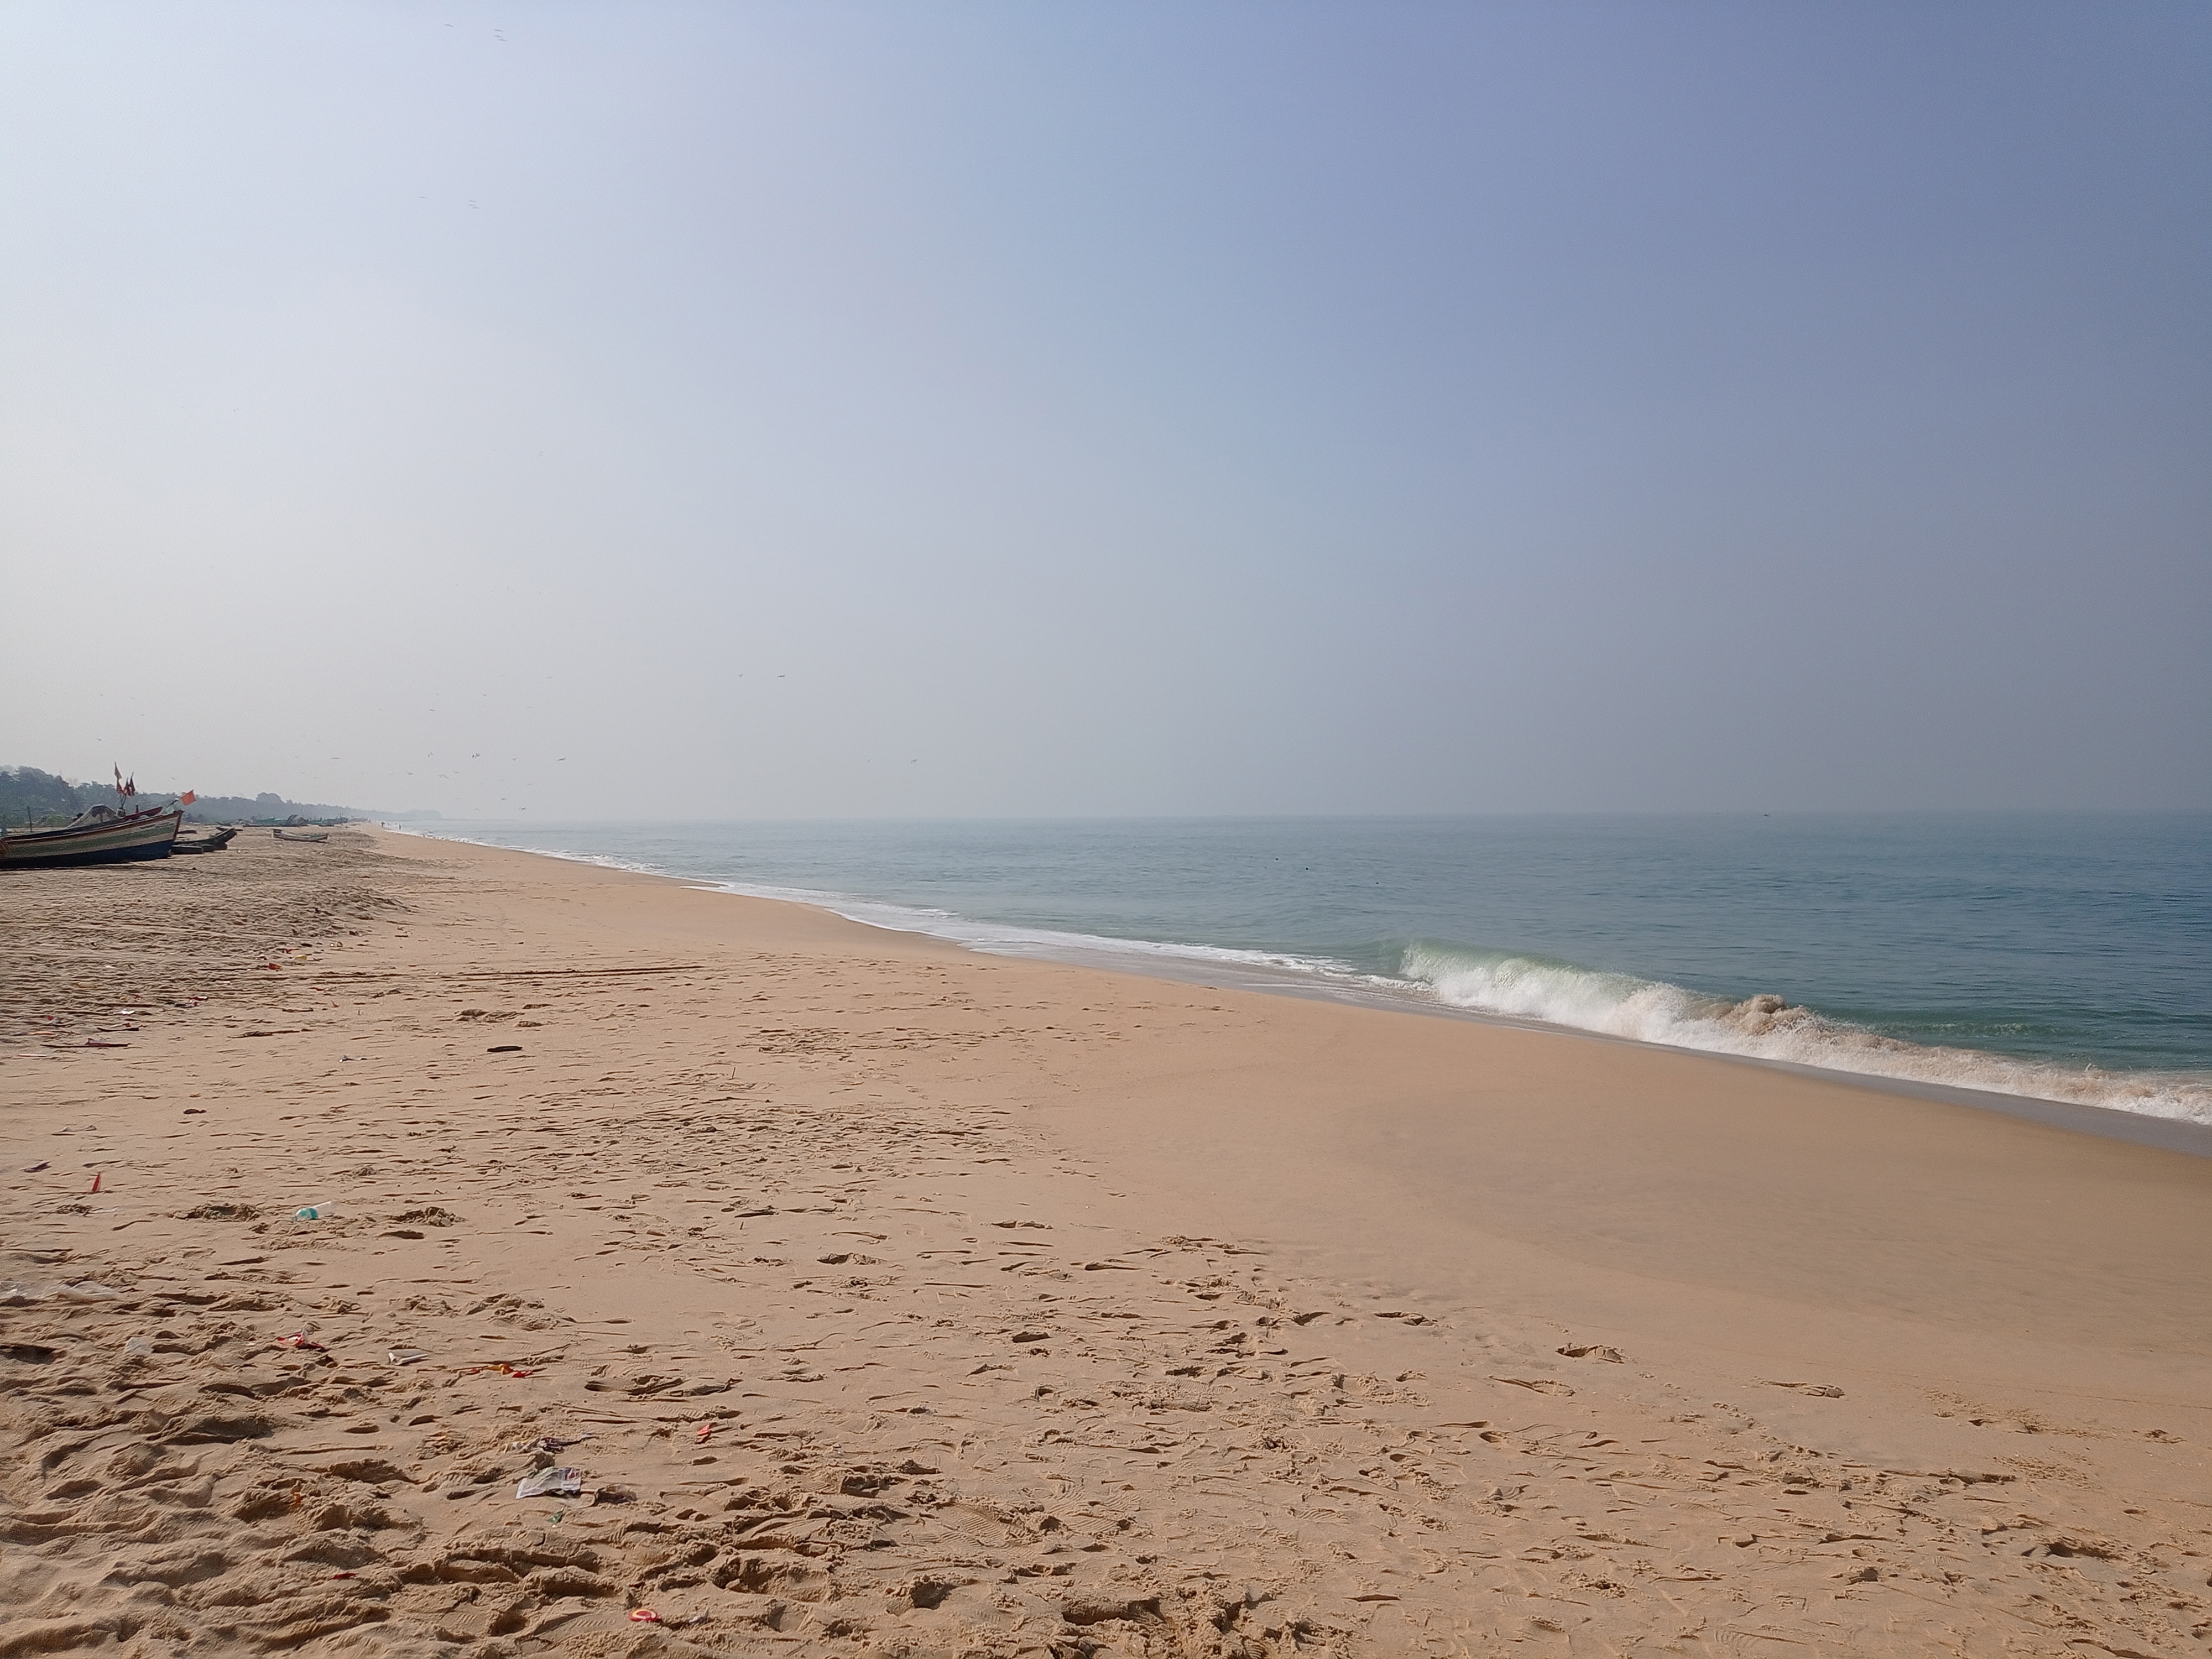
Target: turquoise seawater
[2063, 955]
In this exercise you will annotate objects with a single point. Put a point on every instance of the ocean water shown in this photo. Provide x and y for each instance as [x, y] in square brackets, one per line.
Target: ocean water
[2064, 957]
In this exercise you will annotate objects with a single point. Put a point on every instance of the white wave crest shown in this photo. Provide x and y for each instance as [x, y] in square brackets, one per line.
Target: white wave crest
[1766, 1027]
[1763, 1027]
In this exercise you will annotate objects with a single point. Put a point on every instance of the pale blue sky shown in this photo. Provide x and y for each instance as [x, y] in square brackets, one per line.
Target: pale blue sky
[987, 408]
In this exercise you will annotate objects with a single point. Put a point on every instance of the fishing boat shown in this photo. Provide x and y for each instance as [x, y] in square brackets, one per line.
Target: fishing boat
[213, 842]
[298, 834]
[99, 837]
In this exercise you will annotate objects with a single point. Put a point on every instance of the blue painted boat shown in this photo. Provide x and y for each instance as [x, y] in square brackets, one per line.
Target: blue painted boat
[99, 837]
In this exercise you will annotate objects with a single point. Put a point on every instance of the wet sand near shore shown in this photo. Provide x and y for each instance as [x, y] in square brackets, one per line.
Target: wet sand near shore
[885, 1299]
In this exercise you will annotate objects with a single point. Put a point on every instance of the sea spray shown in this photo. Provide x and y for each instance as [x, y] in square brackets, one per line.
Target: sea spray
[1766, 1026]
[2058, 956]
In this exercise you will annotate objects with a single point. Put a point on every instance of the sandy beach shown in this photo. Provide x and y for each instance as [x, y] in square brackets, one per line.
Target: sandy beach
[881, 1297]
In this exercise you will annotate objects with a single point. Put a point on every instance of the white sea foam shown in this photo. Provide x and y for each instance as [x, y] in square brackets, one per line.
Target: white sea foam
[1046, 944]
[1522, 987]
[1768, 1028]
[994, 939]
[1580, 998]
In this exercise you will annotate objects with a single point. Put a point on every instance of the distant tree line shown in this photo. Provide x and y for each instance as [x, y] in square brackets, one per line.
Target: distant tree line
[28, 796]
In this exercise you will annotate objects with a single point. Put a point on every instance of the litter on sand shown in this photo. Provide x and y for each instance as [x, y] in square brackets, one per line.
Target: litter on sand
[644, 1616]
[406, 1356]
[308, 1213]
[552, 1483]
[300, 1340]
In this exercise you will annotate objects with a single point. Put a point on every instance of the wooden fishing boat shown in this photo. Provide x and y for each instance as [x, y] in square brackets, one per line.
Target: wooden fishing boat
[213, 842]
[99, 837]
[301, 834]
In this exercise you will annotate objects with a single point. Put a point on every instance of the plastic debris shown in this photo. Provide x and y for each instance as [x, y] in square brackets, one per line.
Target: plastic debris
[300, 1340]
[138, 1345]
[308, 1213]
[95, 1179]
[504, 1049]
[706, 1432]
[552, 1483]
[406, 1356]
[34, 1168]
[644, 1616]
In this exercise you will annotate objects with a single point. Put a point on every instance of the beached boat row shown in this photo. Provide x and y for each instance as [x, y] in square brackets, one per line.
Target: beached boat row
[212, 841]
[99, 837]
[102, 834]
[105, 836]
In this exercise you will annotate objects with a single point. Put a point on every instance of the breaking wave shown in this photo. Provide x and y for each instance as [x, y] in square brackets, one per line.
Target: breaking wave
[1498, 983]
[1766, 1027]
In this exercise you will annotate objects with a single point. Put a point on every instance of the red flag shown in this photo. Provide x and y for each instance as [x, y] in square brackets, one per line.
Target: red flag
[187, 797]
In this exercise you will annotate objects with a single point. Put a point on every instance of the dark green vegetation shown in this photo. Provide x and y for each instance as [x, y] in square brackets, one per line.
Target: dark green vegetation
[28, 796]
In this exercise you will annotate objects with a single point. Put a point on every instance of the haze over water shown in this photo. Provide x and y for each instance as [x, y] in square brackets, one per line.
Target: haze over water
[1177, 414]
[2061, 956]
[1033, 410]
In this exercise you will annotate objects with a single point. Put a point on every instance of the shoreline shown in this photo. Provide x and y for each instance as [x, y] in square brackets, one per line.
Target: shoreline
[887, 1297]
[2167, 1132]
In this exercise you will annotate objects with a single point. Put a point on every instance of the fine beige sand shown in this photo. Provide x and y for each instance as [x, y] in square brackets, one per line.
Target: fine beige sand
[889, 1299]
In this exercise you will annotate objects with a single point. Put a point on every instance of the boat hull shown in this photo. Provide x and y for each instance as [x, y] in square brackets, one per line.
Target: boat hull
[117, 841]
[209, 843]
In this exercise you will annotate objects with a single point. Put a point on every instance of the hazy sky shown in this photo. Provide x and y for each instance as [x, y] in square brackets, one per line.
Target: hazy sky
[728, 409]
